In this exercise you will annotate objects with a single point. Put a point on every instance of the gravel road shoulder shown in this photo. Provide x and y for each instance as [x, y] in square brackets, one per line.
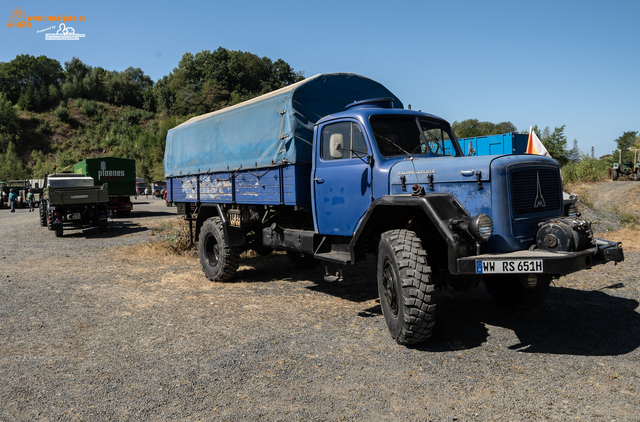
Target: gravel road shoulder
[106, 327]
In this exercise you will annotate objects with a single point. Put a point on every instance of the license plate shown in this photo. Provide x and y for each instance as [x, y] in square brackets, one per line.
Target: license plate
[76, 216]
[509, 266]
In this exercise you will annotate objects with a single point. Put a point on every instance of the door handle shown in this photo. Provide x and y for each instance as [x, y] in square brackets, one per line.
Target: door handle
[318, 180]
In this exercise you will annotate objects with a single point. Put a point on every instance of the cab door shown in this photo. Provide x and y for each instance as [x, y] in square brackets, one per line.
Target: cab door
[342, 189]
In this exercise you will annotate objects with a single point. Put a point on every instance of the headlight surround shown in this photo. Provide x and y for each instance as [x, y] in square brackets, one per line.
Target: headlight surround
[481, 227]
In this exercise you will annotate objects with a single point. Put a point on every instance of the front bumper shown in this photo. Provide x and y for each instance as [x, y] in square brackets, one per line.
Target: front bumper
[556, 263]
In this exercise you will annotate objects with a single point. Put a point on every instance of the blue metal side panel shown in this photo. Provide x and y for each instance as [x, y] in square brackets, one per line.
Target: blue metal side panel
[288, 185]
[260, 186]
[296, 182]
[217, 188]
[507, 143]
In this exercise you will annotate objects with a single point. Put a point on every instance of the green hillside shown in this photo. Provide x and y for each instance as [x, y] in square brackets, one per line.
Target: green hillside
[54, 115]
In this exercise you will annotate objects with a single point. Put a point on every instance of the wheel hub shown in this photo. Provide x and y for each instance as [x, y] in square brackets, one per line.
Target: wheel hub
[389, 286]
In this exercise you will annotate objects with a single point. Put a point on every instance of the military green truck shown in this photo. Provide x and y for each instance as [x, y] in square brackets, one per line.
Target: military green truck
[72, 200]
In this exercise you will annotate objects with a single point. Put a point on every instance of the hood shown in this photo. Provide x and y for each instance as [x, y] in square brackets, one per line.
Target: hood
[443, 169]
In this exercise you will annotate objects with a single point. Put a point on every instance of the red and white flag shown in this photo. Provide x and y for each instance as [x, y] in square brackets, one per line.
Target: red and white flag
[534, 145]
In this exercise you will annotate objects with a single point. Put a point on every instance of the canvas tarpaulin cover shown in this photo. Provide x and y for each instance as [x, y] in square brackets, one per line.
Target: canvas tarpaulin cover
[272, 129]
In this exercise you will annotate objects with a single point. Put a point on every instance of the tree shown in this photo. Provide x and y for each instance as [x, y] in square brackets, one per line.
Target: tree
[9, 127]
[10, 165]
[574, 154]
[30, 76]
[556, 144]
[127, 87]
[472, 128]
[627, 140]
[208, 81]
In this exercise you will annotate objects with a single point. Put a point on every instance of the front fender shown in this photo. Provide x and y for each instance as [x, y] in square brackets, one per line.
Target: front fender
[443, 211]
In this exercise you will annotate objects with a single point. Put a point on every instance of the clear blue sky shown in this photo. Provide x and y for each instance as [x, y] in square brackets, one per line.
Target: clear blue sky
[545, 63]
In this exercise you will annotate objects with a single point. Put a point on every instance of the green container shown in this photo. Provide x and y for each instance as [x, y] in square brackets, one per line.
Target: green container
[119, 173]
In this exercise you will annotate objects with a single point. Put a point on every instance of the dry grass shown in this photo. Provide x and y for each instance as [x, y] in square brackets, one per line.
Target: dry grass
[630, 238]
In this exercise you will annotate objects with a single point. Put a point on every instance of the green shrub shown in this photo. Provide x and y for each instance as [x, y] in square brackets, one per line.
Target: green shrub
[586, 170]
[44, 128]
[61, 112]
[90, 108]
[176, 238]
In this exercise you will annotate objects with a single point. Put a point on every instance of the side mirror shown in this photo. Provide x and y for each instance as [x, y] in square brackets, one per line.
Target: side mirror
[336, 146]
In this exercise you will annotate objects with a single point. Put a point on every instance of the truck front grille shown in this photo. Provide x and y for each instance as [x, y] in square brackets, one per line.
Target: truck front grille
[535, 190]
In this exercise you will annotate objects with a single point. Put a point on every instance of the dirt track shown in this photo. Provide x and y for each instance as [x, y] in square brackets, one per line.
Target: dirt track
[101, 327]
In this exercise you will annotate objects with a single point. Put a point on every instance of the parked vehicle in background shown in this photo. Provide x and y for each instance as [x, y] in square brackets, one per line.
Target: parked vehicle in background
[371, 177]
[4, 193]
[159, 186]
[20, 187]
[70, 199]
[119, 173]
[141, 185]
[627, 167]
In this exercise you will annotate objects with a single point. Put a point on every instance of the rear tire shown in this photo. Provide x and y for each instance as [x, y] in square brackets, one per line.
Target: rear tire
[516, 291]
[43, 216]
[614, 175]
[405, 287]
[219, 261]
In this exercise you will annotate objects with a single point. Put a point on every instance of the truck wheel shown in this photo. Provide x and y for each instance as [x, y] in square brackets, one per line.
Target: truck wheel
[58, 232]
[301, 260]
[219, 261]
[43, 217]
[405, 287]
[614, 175]
[517, 291]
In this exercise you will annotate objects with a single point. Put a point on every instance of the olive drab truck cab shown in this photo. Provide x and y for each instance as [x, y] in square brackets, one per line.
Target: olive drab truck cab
[333, 168]
[72, 200]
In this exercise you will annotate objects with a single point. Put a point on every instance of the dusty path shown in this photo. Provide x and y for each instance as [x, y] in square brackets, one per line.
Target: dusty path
[97, 327]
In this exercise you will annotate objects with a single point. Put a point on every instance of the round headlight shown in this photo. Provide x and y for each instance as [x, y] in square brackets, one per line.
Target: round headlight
[481, 227]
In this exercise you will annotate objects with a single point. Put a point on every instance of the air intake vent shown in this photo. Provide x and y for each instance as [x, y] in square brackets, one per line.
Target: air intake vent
[535, 191]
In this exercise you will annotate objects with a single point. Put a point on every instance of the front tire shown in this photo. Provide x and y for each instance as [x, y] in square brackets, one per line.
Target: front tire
[219, 261]
[405, 287]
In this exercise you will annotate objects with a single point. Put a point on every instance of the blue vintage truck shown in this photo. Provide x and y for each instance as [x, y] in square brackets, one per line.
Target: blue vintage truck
[333, 168]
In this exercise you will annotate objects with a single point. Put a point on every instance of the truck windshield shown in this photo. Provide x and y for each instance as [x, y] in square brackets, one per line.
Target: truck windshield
[402, 135]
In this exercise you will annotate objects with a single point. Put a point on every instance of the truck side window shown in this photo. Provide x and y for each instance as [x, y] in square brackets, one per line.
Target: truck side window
[354, 144]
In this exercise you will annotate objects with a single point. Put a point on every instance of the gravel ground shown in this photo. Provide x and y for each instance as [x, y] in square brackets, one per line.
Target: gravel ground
[101, 326]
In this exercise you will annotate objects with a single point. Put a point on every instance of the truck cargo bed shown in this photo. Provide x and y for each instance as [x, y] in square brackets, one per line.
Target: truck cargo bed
[280, 185]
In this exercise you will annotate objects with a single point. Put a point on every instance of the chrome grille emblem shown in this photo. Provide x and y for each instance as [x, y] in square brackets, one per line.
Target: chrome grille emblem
[539, 202]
